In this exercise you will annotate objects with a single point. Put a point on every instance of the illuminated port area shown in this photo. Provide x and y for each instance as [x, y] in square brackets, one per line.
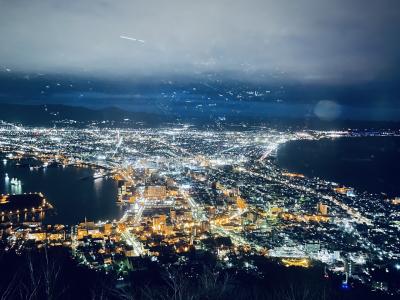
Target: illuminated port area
[22, 204]
[185, 190]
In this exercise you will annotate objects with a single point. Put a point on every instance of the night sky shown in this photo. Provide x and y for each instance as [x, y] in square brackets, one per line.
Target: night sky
[328, 59]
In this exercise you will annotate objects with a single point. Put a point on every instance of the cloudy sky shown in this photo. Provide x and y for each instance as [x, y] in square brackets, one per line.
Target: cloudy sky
[340, 42]
[308, 39]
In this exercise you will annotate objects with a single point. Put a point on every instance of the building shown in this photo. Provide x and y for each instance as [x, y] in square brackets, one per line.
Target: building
[172, 215]
[205, 226]
[322, 209]
[159, 221]
[396, 201]
[108, 228]
[155, 192]
[312, 249]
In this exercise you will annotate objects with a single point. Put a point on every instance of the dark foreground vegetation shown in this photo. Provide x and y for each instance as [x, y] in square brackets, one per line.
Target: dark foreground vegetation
[52, 274]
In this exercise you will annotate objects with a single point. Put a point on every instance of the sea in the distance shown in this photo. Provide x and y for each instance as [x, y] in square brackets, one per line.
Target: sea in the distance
[369, 164]
[71, 190]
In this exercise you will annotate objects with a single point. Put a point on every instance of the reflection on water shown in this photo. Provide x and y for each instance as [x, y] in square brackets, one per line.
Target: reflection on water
[24, 217]
[366, 163]
[97, 185]
[72, 191]
[15, 185]
[6, 184]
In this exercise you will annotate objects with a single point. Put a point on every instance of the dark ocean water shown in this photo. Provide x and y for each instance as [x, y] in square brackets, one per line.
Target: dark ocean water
[368, 163]
[73, 197]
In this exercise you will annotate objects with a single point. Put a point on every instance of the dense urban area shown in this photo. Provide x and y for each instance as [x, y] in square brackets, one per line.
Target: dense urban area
[186, 190]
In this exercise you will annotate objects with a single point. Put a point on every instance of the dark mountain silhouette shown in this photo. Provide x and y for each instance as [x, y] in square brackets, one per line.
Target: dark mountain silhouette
[43, 115]
[50, 114]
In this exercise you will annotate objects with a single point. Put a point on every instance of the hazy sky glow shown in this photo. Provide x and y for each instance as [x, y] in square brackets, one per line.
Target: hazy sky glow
[307, 40]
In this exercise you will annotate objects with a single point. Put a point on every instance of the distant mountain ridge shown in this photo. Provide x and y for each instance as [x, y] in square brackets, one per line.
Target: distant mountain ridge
[48, 114]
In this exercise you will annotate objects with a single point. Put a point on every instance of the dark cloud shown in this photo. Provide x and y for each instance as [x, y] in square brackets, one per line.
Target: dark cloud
[309, 40]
